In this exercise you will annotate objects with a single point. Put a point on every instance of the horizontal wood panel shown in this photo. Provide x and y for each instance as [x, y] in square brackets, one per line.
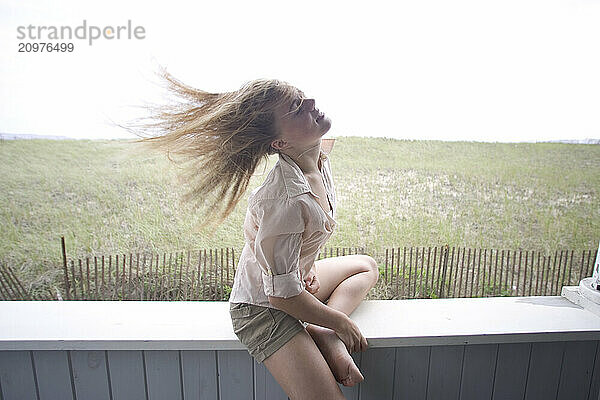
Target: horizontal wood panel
[540, 370]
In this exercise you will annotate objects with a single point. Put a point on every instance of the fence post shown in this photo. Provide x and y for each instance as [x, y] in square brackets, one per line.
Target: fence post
[386, 266]
[444, 266]
[64, 254]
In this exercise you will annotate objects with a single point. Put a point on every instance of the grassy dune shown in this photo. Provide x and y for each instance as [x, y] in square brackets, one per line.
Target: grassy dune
[390, 193]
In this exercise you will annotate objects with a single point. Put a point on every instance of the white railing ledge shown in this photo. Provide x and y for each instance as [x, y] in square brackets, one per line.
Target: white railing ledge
[165, 325]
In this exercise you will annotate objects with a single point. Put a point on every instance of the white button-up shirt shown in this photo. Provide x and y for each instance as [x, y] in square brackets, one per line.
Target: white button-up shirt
[284, 230]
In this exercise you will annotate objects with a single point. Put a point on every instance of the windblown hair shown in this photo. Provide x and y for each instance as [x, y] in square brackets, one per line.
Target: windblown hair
[220, 137]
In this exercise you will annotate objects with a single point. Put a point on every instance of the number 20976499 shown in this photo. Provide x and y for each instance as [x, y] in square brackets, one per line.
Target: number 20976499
[46, 47]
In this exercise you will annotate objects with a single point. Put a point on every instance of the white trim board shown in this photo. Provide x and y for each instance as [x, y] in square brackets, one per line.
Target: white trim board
[165, 325]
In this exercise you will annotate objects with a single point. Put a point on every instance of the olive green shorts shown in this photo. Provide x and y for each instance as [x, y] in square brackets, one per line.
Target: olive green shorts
[262, 330]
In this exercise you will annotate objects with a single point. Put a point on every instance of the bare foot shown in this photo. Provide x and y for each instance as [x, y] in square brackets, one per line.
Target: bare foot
[334, 351]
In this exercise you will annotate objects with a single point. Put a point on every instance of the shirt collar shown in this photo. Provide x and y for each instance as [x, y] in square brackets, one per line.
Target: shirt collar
[293, 178]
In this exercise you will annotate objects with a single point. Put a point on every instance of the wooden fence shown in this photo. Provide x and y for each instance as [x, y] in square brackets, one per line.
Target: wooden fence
[11, 287]
[407, 272]
[438, 272]
[200, 275]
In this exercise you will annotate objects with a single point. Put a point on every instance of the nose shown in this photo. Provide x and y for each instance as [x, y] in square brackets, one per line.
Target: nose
[310, 103]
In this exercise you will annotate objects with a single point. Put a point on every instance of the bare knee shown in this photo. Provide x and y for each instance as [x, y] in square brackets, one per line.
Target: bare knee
[370, 266]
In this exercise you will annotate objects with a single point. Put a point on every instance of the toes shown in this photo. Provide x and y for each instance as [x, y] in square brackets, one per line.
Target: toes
[347, 380]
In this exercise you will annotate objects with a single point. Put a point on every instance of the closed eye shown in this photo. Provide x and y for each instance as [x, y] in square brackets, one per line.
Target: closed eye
[300, 107]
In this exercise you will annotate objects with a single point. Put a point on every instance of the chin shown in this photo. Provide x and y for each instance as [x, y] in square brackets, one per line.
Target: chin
[326, 125]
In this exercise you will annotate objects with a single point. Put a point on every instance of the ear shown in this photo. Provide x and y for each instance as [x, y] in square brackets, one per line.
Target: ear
[279, 144]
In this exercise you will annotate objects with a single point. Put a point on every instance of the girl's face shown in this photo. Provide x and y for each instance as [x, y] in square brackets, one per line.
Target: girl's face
[301, 125]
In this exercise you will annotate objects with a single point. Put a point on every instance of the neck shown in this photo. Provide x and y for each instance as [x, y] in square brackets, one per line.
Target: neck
[306, 159]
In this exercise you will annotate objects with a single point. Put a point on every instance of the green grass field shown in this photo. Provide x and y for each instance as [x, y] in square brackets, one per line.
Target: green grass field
[390, 193]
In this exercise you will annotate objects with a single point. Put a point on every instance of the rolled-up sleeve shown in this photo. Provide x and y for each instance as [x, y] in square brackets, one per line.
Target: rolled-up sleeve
[277, 246]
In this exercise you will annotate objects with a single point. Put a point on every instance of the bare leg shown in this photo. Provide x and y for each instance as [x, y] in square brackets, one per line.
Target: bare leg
[300, 369]
[334, 351]
[345, 281]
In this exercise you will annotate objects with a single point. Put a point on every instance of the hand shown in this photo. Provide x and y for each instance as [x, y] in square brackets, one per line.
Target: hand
[349, 333]
[312, 282]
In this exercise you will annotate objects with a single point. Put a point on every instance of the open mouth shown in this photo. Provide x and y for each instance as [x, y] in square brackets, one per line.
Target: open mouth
[319, 116]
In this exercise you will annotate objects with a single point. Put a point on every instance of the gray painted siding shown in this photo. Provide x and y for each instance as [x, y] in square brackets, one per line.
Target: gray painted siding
[541, 370]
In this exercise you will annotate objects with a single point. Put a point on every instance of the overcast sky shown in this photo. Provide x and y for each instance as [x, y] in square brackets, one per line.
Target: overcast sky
[510, 70]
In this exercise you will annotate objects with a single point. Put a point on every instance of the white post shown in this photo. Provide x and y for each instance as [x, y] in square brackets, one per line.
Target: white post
[596, 275]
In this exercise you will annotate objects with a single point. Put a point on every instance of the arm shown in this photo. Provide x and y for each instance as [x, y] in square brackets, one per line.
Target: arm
[308, 308]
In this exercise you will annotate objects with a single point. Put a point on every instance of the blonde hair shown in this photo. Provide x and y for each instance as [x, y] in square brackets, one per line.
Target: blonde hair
[220, 137]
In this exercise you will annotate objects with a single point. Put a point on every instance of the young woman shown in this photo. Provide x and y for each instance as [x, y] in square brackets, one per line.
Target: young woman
[289, 309]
